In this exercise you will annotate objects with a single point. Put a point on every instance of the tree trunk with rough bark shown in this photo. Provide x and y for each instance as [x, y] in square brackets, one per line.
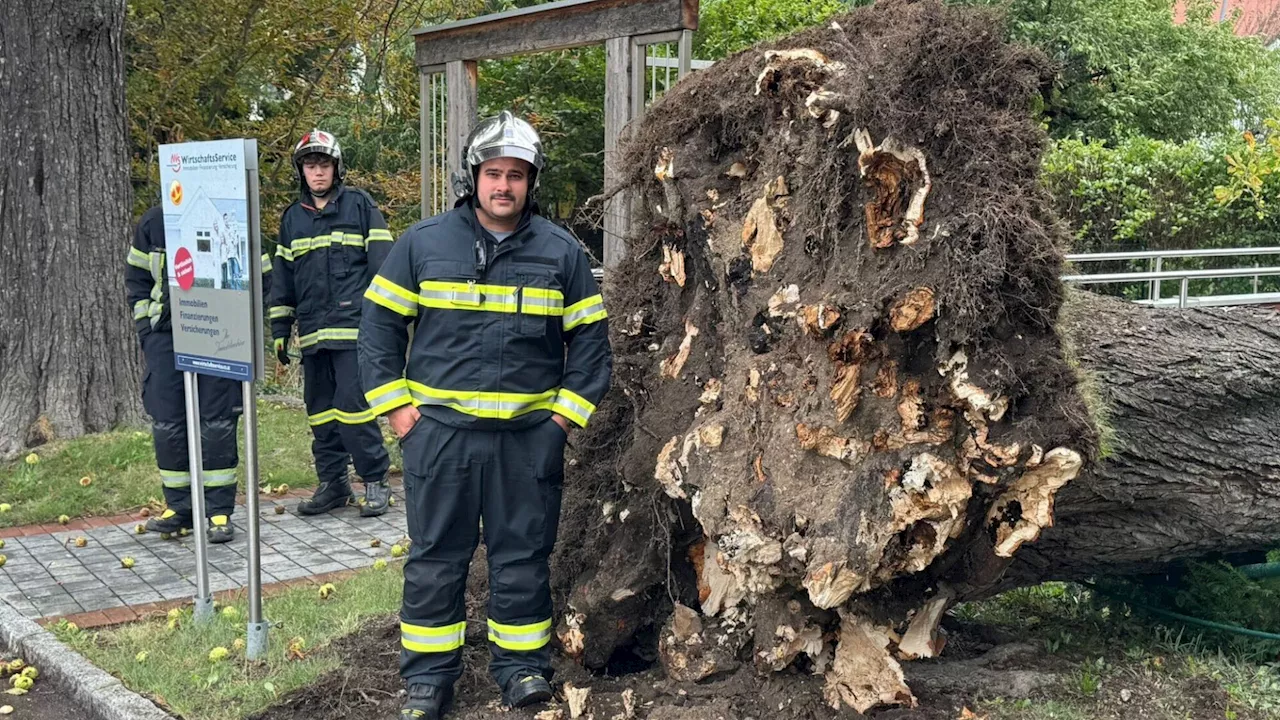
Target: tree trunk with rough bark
[1190, 407]
[844, 396]
[68, 357]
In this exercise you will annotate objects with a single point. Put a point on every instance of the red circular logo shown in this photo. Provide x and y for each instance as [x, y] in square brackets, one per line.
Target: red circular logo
[184, 269]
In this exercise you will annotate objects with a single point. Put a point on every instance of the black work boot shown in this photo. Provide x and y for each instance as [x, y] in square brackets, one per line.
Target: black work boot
[169, 523]
[328, 496]
[427, 702]
[525, 690]
[220, 529]
[377, 497]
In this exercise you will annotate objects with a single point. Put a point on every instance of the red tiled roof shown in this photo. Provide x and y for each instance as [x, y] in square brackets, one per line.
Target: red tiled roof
[1253, 17]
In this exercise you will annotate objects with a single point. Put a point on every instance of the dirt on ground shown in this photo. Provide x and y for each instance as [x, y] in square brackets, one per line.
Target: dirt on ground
[981, 663]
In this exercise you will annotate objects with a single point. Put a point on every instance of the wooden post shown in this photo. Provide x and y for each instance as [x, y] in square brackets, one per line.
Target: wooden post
[617, 113]
[460, 78]
[426, 139]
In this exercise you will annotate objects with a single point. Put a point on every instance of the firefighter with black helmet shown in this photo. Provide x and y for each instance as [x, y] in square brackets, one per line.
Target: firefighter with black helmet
[509, 350]
[164, 396]
[332, 241]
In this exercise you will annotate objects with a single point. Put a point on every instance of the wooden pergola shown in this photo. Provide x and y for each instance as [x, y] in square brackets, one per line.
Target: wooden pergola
[452, 50]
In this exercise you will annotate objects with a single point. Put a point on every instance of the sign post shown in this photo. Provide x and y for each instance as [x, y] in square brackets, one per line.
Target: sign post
[214, 246]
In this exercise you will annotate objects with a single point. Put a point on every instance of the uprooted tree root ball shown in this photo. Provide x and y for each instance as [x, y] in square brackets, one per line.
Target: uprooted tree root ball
[837, 370]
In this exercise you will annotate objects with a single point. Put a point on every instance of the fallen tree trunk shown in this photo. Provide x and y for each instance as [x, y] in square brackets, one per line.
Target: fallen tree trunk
[842, 401]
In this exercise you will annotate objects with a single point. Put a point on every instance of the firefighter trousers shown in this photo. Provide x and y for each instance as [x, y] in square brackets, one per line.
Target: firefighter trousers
[453, 478]
[345, 431]
[164, 397]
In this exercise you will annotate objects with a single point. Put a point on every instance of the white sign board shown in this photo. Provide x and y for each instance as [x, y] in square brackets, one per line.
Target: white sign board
[213, 251]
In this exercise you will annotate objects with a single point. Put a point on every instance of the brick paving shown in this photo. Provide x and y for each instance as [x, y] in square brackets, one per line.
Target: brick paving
[47, 576]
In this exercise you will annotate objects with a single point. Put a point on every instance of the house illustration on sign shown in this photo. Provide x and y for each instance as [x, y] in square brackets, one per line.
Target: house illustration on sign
[216, 234]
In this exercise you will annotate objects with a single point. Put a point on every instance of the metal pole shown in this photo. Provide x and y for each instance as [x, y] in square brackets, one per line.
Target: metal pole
[256, 644]
[1155, 284]
[1255, 281]
[686, 53]
[1182, 293]
[203, 599]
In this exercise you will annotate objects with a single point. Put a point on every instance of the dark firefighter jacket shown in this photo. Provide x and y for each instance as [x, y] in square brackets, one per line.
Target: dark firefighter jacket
[504, 333]
[144, 278]
[324, 261]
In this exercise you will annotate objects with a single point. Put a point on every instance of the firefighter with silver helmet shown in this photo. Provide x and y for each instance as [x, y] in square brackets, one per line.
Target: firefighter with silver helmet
[509, 351]
[331, 242]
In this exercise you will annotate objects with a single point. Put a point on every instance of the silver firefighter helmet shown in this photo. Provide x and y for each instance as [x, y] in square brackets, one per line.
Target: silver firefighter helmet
[319, 142]
[503, 135]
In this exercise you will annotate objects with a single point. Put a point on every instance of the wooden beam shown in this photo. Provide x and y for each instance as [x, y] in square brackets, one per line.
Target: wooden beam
[617, 113]
[460, 78]
[426, 140]
[552, 26]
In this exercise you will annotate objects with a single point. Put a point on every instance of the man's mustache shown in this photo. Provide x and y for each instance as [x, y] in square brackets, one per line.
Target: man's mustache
[502, 196]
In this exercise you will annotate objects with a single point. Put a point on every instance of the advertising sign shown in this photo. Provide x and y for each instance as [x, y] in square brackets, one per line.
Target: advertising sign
[213, 249]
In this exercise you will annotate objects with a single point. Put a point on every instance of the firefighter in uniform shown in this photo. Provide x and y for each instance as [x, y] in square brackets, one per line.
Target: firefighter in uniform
[509, 349]
[164, 396]
[331, 242]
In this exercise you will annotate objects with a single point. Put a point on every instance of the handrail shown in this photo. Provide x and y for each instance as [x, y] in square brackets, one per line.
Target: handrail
[1153, 254]
[1169, 275]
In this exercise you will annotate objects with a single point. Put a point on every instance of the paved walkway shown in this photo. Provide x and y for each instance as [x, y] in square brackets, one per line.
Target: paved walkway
[47, 576]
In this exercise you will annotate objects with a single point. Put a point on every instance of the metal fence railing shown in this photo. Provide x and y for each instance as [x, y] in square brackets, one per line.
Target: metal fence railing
[1216, 285]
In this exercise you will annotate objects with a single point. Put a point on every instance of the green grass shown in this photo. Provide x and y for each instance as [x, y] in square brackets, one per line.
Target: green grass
[177, 670]
[1110, 647]
[122, 470]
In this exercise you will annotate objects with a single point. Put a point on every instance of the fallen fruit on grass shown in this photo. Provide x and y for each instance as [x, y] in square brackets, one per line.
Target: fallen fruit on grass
[282, 488]
[141, 657]
[145, 512]
[22, 682]
[31, 671]
[140, 529]
[32, 459]
[86, 481]
[5, 507]
[15, 665]
[3, 560]
[1, 543]
[391, 500]
[279, 509]
[63, 519]
[397, 551]
[230, 612]
[238, 645]
[218, 654]
[81, 542]
[379, 564]
[326, 590]
[175, 613]
[296, 648]
[126, 562]
[173, 623]
[375, 543]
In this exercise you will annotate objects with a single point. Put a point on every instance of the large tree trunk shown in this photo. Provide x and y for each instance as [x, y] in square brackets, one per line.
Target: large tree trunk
[1190, 408]
[843, 399]
[68, 362]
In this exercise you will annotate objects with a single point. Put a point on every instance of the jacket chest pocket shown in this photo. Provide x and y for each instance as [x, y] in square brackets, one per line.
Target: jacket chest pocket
[539, 299]
[346, 260]
[452, 303]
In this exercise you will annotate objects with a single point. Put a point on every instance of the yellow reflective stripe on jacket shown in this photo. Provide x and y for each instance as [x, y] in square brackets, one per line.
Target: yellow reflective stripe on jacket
[336, 334]
[138, 259]
[175, 478]
[425, 639]
[219, 478]
[156, 265]
[281, 311]
[140, 309]
[266, 263]
[346, 418]
[496, 405]
[385, 398]
[392, 297]
[520, 637]
[573, 406]
[584, 311]
[301, 246]
[490, 298]
[378, 235]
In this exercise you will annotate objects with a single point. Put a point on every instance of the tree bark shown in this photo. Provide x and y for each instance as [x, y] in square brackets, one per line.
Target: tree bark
[68, 361]
[1193, 468]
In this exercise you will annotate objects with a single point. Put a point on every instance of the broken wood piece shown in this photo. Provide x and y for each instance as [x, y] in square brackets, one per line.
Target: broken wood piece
[912, 311]
[818, 320]
[786, 302]
[864, 674]
[760, 236]
[1026, 507]
[672, 366]
[893, 173]
[845, 390]
[672, 267]
[576, 697]
[774, 60]
[925, 637]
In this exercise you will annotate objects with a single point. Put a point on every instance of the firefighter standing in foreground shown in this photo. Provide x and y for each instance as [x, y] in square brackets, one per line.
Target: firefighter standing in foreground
[331, 242]
[510, 349]
[164, 396]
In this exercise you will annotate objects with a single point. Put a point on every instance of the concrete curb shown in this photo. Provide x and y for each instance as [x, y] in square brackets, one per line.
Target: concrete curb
[105, 697]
